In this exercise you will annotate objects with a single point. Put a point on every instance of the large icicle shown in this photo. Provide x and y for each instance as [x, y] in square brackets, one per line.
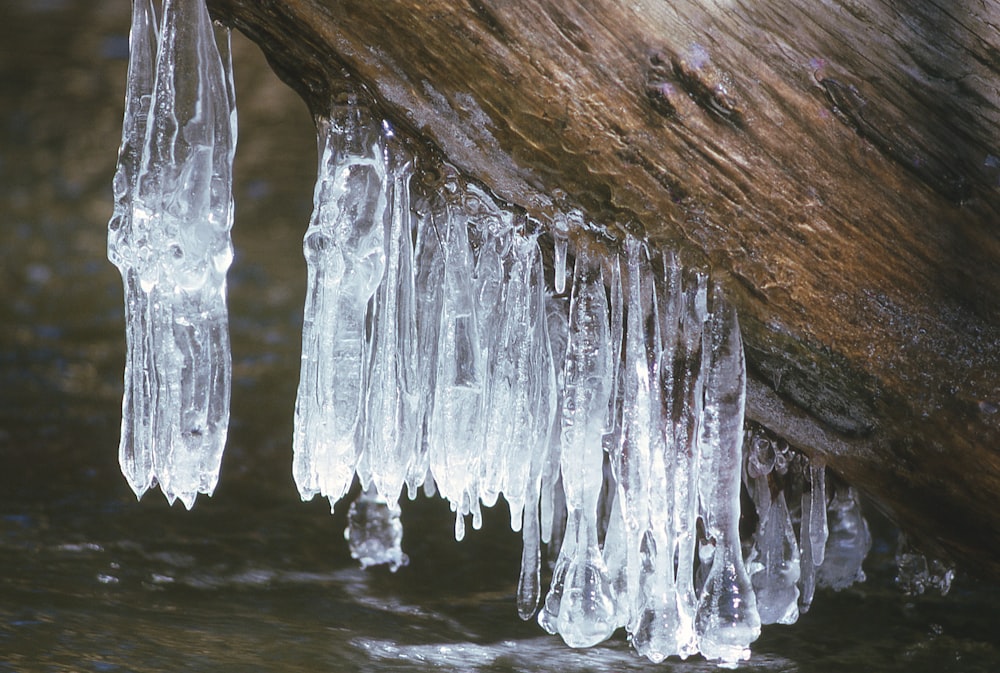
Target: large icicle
[344, 248]
[172, 245]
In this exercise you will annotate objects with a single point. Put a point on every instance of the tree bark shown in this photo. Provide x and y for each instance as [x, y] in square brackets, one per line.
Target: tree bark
[838, 162]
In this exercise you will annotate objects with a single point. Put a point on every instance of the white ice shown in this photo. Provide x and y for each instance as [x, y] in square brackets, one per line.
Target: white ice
[344, 248]
[170, 238]
[606, 409]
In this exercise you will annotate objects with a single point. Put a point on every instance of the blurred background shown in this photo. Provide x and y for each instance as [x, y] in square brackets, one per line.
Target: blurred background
[253, 579]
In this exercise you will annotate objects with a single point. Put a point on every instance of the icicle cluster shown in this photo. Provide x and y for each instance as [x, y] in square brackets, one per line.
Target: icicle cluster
[169, 237]
[605, 406]
[803, 539]
[434, 356]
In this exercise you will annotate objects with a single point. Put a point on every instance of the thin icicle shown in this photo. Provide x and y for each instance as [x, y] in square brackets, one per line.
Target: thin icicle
[818, 530]
[135, 453]
[727, 620]
[617, 307]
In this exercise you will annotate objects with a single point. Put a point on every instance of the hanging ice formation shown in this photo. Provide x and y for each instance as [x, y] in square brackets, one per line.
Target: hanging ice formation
[169, 237]
[605, 405]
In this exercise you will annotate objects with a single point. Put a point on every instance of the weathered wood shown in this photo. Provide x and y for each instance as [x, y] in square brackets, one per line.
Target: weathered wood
[837, 160]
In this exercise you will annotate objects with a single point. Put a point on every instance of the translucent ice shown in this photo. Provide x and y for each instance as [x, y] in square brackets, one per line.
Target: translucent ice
[170, 239]
[374, 532]
[605, 407]
[344, 248]
[818, 530]
[454, 431]
[774, 564]
[727, 620]
[916, 573]
[849, 541]
[135, 449]
[581, 590]
[392, 422]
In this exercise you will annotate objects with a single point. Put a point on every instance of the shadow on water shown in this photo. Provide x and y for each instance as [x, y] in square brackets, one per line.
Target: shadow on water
[253, 579]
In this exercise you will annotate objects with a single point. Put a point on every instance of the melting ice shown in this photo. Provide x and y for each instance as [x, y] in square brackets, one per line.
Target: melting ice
[169, 237]
[605, 404]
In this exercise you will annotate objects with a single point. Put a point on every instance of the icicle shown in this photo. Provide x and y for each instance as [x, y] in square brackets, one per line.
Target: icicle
[774, 566]
[392, 421]
[551, 505]
[580, 587]
[848, 544]
[429, 279]
[529, 581]
[344, 248]
[560, 243]
[617, 326]
[727, 620]
[773, 561]
[455, 424]
[374, 532]
[173, 248]
[818, 531]
[136, 445]
[807, 569]
[685, 407]
[521, 407]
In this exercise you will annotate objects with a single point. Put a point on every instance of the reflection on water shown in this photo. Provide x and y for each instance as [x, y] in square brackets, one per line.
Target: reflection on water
[252, 579]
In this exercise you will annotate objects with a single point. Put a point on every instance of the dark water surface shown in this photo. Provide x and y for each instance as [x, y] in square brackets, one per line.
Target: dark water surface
[253, 579]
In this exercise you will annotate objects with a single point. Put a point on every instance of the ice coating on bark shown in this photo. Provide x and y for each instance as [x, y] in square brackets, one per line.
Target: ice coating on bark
[169, 237]
[344, 248]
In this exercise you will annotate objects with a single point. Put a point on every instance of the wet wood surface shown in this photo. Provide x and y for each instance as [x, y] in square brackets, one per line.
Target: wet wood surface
[837, 162]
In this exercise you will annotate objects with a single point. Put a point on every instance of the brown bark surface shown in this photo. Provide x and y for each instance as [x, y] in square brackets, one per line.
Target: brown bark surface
[838, 162]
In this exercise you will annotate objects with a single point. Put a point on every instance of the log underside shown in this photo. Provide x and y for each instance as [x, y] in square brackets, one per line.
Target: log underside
[838, 163]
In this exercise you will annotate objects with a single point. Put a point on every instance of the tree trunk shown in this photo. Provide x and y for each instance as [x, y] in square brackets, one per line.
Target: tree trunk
[838, 162]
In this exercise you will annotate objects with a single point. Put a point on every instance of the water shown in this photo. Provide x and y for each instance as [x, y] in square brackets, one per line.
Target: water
[253, 579]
